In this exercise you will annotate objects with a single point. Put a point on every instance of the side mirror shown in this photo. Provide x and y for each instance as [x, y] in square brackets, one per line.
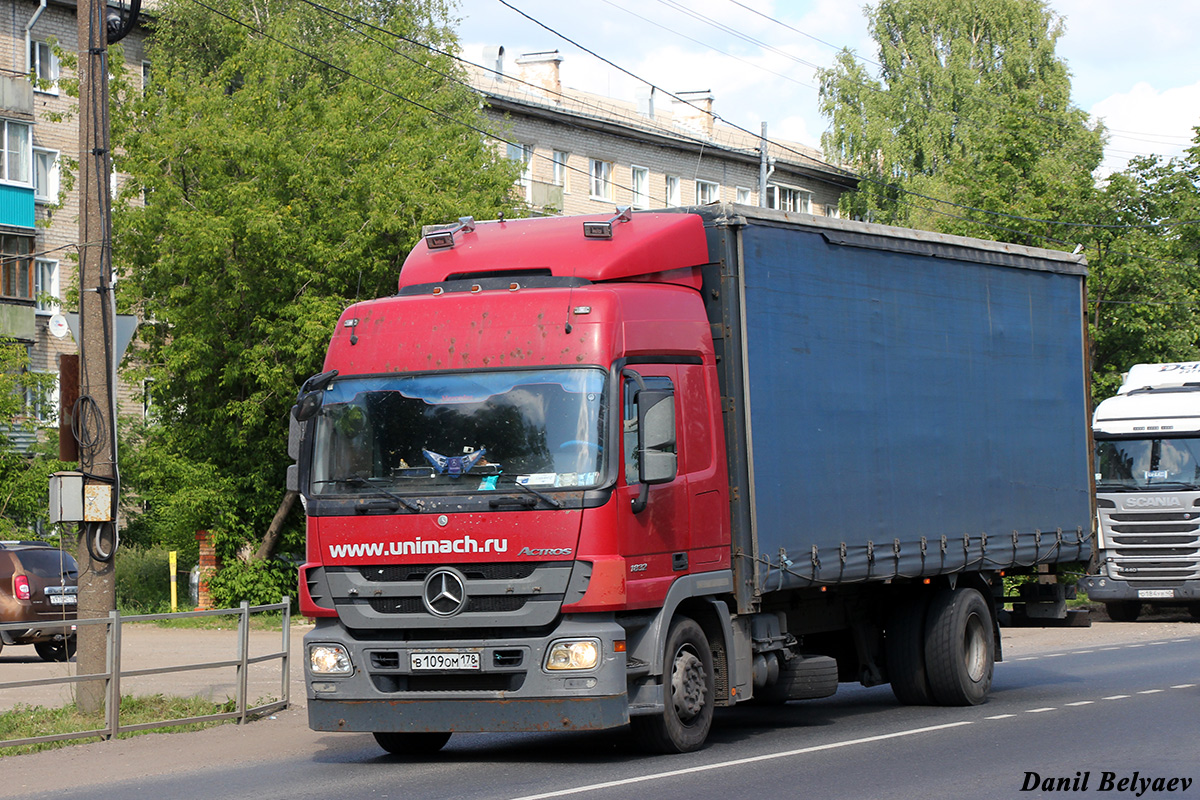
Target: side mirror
[657, 459]
[656, 435]
[311, 395]
[292, 481]
[295, 431]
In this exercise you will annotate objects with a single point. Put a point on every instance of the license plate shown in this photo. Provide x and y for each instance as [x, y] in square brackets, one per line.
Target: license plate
[443, 662]
[62, 599]
[1155, 594]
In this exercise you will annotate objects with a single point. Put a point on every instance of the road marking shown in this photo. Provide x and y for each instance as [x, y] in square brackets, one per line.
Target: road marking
[1106, 649]
[1081, 652]
[1056, 655]
[1150, 691]
[1132, 646]
[1001, 716]
[658, 776]
[1028, 658]
[1081, 703]
[1116, 697]
[1184, 686]
[1037, 710]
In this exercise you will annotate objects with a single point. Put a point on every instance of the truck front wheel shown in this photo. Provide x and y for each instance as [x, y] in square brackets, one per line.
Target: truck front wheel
[960, 653]
[1123, 610]
[412, 744]
[688, 693]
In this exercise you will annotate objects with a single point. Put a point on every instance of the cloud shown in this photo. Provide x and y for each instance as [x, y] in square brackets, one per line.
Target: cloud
[1146, 120]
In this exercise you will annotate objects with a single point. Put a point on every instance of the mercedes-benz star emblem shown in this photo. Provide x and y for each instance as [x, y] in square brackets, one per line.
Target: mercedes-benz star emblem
[445, 592]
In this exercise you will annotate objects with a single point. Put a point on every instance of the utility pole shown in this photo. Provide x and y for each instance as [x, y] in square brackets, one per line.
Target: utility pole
[95, 415]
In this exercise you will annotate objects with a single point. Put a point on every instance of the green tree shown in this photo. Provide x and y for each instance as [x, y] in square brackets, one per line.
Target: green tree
[1144, 281]
[971, 106]
[25, 468]
[287, 160]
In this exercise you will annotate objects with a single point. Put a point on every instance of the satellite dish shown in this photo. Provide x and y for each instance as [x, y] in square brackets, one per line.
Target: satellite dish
[58, 326]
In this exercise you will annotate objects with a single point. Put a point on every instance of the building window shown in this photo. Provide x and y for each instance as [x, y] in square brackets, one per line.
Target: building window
[145, 76]
[674, 195]
[558, 159]
[601, 174]
[45, 175]
[41, 401]
[45, 285]
[640, 184]
[17, 153]
[707, 192]
[743, 196]
[16, 267]
[831, 210]
[789, 198]
[523, 153]
[43, 65]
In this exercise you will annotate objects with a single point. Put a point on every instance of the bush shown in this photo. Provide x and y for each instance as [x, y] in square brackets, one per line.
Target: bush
[143, 580]
[256, 582]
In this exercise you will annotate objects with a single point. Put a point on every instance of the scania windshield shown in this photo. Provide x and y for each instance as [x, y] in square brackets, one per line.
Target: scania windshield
[1157, 464]
[460, 433]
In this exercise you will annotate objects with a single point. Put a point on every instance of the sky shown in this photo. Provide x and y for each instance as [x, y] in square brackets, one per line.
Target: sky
[1134, 65]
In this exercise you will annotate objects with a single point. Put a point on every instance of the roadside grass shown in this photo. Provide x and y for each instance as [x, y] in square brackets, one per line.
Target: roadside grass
[26, 722]
[261, 621]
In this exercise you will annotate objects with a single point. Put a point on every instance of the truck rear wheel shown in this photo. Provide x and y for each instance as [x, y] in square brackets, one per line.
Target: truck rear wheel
[688, 693]
[904, 647]
[960, 653]
[1123, 610]
[412, 743]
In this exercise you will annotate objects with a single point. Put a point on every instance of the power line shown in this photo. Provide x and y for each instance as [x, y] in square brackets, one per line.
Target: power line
[847, 173]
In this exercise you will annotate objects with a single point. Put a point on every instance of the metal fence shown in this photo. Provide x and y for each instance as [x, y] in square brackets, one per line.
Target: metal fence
[113, 672]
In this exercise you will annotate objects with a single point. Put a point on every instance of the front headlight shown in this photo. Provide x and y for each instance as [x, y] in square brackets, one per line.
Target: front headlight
[573, 654]
[329, 659]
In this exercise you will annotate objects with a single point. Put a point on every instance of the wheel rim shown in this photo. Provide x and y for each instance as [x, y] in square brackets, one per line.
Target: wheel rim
[975, 649]
[689, 685]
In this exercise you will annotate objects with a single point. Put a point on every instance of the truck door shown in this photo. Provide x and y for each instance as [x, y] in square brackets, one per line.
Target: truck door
[655, 540]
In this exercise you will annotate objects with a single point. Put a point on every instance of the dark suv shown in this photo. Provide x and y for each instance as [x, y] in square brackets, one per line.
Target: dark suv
[38, 588]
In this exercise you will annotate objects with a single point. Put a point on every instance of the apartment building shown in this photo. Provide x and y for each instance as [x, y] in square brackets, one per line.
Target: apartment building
[39, 220]
[586, 153]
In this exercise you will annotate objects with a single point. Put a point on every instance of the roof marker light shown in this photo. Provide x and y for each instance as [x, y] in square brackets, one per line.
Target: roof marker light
[441, 237]
[604, 230]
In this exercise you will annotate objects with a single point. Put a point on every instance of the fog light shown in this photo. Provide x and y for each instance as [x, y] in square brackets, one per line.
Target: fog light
[329, 659]
[573, 654]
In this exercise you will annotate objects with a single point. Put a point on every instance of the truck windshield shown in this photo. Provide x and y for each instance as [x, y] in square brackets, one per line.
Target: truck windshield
[461, 432]
[1147, 464]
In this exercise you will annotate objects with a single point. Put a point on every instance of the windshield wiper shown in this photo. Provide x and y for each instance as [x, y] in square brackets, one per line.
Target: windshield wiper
[379, 490]
[550, 501]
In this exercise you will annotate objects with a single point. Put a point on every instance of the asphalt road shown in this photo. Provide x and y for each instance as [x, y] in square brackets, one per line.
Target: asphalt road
[1100, 703]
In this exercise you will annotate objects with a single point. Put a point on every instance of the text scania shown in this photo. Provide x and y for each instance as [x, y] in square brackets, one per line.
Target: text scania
[1151, 502]
[466, 544]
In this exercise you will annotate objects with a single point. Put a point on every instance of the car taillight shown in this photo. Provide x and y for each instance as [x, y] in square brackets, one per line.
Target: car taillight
[21, 587]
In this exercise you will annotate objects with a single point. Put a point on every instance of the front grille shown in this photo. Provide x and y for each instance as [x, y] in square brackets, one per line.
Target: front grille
[507, 595]
[415, 605]
[1152, 546]
[394, 573]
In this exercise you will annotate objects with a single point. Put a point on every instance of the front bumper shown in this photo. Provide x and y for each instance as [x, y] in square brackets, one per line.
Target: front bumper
[1105, 590]
[511, 691]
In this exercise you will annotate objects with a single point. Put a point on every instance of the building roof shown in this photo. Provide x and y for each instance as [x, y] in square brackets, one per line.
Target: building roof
[657, 117]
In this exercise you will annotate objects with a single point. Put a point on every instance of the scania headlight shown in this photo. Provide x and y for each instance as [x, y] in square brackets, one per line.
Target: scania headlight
[573, 654]
[329, 659]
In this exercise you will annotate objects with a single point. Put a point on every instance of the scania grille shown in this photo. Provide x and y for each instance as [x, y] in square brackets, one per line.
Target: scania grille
[1152, 546]
[514, 594]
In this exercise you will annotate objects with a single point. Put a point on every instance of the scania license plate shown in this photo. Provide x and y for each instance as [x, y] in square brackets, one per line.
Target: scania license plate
[62, 599]
[443, 662]
[1155, 594]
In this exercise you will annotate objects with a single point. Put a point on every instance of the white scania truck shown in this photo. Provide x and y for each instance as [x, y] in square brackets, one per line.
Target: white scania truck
[1148, 492]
